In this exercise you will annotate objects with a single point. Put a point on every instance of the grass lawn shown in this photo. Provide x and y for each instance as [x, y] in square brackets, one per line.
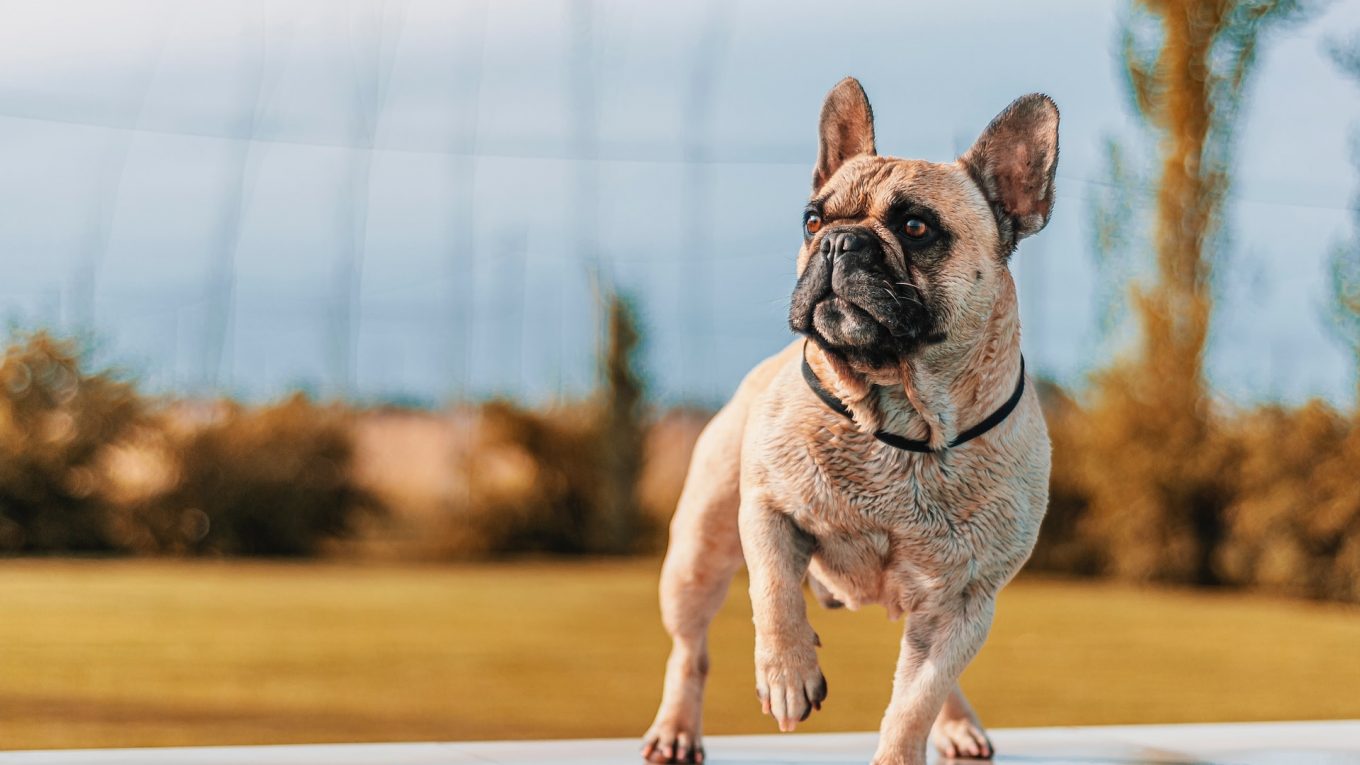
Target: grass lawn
[122, 653]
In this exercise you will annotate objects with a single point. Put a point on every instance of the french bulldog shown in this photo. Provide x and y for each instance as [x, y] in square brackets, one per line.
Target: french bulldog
[893, 454]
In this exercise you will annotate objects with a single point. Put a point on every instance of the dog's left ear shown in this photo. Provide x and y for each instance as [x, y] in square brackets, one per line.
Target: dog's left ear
[1013, 162]
[847, 129]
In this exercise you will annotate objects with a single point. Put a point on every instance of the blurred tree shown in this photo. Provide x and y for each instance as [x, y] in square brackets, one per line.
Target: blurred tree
[622, 429]
[1154, 466]
[1188, 63]
[1344, 263]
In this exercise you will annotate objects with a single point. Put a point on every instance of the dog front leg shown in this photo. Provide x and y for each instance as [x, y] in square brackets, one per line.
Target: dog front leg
[789, 681]
[937, 644]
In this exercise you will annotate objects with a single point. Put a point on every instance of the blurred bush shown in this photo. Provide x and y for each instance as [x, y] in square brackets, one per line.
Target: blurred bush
[270, 481]
[531, 483]
[1265, 498]
[563, 479]
[57, 422]
[669, 444]
[1293, 526]
[1063, 545]
[1159, 477]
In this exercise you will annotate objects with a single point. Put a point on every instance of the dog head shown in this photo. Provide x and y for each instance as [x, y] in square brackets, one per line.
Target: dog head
[901, 255]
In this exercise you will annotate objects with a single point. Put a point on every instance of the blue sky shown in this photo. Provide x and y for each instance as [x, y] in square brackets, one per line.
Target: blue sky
[409, 199]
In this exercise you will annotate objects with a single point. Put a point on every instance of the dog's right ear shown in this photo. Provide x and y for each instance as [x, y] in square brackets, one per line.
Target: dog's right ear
[847, 129]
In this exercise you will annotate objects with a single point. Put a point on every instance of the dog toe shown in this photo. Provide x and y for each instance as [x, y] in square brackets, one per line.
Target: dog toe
[962, 739]
[668, 743]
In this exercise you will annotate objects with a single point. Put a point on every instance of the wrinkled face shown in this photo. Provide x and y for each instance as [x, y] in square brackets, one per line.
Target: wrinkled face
[901, 254]
[897, 254]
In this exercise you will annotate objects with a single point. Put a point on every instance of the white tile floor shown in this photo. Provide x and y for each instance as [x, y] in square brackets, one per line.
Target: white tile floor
[1301, 743]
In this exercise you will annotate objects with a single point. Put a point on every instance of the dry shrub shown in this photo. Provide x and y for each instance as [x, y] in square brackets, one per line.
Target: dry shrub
[497, 451]
[1061, 546]
[563, 480]
[669, 446]
[1158, 473]
[532, 483]
[1294, 525]
[56, 423]
[272, 481]
[1265, 498]
[531, 479]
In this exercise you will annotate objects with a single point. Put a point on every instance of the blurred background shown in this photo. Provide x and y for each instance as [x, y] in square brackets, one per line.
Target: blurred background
[354, 354]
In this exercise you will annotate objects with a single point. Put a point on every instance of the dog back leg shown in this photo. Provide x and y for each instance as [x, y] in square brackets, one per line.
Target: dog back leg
[703, 555]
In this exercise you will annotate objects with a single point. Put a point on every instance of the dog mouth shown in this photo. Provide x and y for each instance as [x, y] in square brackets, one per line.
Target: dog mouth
[842, 324]
[860, 312]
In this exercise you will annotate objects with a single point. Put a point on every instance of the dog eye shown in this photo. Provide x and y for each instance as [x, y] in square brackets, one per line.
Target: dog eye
[915, 228]
[812, 223]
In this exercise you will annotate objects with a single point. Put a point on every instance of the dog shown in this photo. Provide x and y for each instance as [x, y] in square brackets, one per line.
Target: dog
[893, 454]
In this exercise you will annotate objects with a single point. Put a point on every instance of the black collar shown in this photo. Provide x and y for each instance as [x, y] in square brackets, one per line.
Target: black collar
[911, 444]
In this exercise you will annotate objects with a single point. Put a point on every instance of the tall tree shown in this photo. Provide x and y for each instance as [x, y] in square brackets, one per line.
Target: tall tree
[1152, 462]
[621, 392]
[1188, 64]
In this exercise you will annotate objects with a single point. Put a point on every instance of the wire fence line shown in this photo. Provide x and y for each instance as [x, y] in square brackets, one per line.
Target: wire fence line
[488, 293]
[603, 153]
[483, 320]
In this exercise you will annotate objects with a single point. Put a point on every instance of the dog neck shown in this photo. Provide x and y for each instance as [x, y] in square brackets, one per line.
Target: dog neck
[933, 395]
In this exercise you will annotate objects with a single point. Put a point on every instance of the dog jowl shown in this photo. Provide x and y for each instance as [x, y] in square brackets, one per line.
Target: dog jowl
[892, 455]
[856, 295]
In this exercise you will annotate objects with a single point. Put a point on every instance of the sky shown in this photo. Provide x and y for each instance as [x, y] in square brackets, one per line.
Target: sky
[411, 201]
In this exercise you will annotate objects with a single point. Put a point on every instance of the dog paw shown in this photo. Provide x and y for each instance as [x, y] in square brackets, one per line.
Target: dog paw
[960, 738]
[669, 741]
[789, 684]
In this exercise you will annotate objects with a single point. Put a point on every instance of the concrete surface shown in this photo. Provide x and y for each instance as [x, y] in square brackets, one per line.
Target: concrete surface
[1296, 743]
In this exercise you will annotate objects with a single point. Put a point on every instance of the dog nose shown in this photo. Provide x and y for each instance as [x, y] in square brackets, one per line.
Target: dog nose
[844, 241]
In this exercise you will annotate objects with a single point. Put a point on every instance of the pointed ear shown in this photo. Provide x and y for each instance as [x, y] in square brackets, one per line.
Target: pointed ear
[1013, 162]
[847, 129]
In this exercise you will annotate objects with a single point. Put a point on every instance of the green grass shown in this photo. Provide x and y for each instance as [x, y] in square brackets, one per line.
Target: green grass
[122, 653]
